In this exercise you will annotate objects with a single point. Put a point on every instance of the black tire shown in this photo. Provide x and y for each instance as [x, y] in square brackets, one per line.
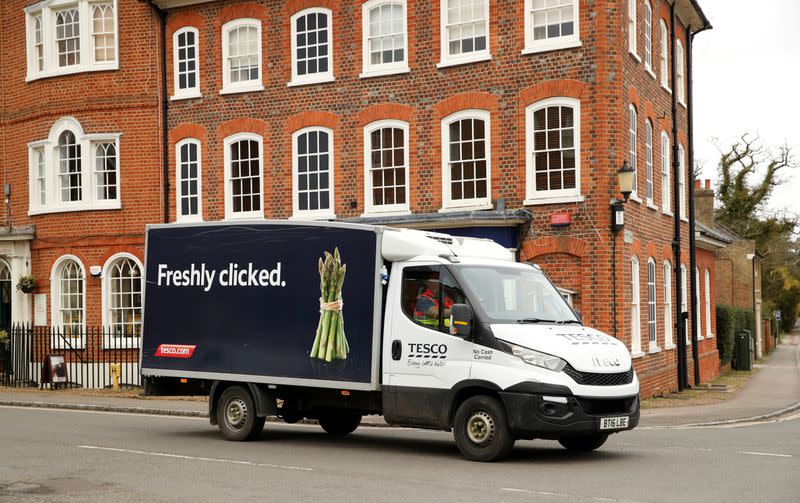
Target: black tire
[583, 443]
[340, 423]
[481, 430]
[236, 415]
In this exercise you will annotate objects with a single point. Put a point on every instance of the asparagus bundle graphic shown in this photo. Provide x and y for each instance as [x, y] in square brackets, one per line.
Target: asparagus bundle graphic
[330, 342]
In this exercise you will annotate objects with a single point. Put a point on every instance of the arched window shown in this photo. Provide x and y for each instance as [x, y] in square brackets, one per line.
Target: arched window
[636, 323]
[553, 149]
[185, 63]
[632, 128]
[384, 37]
[312, 163]
[632, 26]
[666, 179]
[707, 286]
[679, 82]
[664, 55]
[241, 56]
[105, 159]
[682, 182]
[38, 43]
[466, 159]
[668, 305]
[124, 302]
[243, 170]
[684, 302]
[70, 172]
[312, 54]
[697, 299]
[648, 36]
[188, 177]
[68, 297]
[651, 305]
[386, 166]
[648, 161]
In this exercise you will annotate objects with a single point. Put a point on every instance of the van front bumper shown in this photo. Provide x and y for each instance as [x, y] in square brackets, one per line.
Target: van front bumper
[556, 413]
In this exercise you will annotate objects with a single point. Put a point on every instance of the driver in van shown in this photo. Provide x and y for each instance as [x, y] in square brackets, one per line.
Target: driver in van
[426, 309]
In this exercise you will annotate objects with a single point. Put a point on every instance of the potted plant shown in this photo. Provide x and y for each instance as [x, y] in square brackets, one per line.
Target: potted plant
[26, 283]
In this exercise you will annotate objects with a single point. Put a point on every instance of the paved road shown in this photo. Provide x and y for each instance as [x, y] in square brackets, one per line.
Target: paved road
[58, 455]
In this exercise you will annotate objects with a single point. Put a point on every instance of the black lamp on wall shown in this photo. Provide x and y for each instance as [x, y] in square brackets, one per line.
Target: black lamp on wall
[625, 178]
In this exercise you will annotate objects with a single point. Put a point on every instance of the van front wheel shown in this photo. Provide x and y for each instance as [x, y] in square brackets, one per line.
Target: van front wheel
[481, 431]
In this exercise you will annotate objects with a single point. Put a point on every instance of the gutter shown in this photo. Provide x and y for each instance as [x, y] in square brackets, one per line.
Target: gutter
[162, 18]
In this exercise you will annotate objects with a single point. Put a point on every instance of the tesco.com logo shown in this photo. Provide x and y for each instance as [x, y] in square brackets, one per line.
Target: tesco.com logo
[175, 351]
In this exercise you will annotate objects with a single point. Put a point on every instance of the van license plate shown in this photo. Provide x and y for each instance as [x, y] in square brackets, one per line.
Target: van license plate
[613, 423]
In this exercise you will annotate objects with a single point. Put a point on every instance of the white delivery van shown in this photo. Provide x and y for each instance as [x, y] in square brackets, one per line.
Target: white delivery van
[334, 321]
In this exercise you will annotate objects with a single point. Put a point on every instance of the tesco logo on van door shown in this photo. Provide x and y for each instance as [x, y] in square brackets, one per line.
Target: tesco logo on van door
[174, 351]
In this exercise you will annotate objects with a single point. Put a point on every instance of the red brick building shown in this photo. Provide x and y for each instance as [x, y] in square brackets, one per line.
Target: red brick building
[482, 117]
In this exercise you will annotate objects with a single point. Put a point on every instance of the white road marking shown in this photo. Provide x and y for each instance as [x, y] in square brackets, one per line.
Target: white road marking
[773, 454]
[527, 491]
[196, 458]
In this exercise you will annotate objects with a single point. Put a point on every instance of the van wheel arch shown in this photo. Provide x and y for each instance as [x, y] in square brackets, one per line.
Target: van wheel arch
[466, 390]
[264, 401]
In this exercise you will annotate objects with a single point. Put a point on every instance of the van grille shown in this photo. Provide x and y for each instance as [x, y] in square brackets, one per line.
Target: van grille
[603, 406]
[593, 379]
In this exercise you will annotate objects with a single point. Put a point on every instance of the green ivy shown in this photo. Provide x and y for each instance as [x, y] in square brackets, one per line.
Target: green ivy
[730, 321]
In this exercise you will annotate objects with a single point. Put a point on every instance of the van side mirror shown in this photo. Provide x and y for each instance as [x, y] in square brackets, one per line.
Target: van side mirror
[460, 320]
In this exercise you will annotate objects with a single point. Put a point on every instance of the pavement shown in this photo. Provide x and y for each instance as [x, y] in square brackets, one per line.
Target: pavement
[773, 391]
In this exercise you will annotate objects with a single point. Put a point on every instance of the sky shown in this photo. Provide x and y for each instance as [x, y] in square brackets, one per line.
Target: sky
[747, 79]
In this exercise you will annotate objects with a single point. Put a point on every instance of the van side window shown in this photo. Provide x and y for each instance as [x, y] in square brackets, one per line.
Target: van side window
[425, 289]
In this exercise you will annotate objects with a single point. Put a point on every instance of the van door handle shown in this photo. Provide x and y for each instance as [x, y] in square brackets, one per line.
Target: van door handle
[397, 350]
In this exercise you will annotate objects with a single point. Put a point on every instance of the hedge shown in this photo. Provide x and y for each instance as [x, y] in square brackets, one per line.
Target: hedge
[730, 321]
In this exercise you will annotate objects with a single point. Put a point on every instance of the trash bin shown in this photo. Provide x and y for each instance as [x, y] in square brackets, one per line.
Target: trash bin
[743, 351]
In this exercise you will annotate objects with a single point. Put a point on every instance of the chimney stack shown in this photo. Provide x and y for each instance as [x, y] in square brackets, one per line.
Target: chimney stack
[704, 203]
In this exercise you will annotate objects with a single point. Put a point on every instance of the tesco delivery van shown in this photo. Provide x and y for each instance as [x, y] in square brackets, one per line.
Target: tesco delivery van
[335, 321]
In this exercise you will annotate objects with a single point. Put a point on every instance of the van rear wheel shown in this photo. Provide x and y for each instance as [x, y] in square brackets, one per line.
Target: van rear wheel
[340, 423]
[481, 430]
[583, 443]
[236, 415]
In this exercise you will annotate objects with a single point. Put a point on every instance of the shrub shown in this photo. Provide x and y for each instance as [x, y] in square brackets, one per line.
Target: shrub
[731, 321]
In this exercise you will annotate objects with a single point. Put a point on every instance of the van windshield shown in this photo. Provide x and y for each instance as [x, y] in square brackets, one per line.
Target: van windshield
[516, 295]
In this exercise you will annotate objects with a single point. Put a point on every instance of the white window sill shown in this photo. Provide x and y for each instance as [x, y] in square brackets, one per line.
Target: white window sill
[666, 88]
[188, 219]
[668, 347]
[72, 70]
[313, 215]
[322, 79]
[536, 201]
[111, 205]
[476, 206]
[383, 72]
[700, 338]
[651, 72]
[684, 219]
[667, 213]
[249, 88]
[651, 205]
[381, 214]
[251, 215]
[709, 336]
[121, 342]
[637, 354]
[653, 349]
[186, 96]
[635, 199]
[634, 56]
[483, 56]
[554, 45]
[682, 103]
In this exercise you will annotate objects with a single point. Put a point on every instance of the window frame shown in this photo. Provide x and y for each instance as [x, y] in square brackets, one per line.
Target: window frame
[648, 38]
[47, 12]
[248, 86]
[189, 92]
[87, 142]
[445, 59]
[243, 215]
[668, 291]
[448, 204]
[707, 285]
[532, 196]
[318, 214]
[632, 30]
[666, 174]
[370, 209]
[682, 183]
[680, 83]
[664, 66]
[649, 176]
[697, 300]
[380, 69]
[652, 309]
[110, 339]
[179, 216]
[62, 340]
[533, 46]
[636, 309]
[633, 149]
[319, 77]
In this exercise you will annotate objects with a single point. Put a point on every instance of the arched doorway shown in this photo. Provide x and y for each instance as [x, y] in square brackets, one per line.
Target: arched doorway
[5, 295]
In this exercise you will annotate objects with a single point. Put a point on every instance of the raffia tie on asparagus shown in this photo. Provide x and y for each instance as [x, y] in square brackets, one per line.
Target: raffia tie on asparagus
[330, 342]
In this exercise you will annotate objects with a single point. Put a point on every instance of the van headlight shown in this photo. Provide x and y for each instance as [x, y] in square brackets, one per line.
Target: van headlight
[538, 359]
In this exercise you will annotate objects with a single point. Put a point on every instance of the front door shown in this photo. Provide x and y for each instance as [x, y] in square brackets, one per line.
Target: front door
[5, 296]
[422, 361]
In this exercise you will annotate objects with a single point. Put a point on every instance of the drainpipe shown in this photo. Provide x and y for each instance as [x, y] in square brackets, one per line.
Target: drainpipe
[162, 18]
[676, 238]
